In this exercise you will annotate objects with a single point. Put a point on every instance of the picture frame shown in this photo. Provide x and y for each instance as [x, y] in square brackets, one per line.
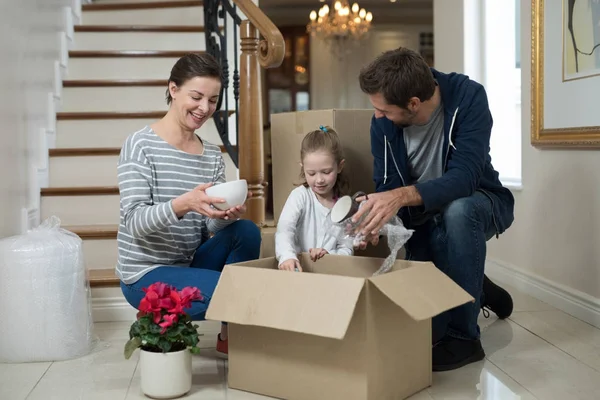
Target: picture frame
[559, 116]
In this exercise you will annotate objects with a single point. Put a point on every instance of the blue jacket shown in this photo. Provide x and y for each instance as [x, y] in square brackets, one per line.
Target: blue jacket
[467, 162]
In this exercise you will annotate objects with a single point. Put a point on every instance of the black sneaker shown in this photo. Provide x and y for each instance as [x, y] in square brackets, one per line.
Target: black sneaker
[496, 299]
[452, 353]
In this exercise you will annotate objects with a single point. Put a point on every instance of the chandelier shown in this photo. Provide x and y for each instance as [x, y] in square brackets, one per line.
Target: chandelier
[342, 25]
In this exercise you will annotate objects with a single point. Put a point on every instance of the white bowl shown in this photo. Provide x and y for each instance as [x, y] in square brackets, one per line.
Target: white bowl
[233, 192]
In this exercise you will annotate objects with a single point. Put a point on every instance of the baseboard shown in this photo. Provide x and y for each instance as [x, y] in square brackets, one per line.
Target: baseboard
[112, 309]
[572, 301]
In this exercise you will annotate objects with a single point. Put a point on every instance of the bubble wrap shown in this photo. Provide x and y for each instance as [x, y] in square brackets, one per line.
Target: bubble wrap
[45, 300]
[397, 236]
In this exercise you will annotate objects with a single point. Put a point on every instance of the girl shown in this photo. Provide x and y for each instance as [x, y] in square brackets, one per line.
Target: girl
[301, 224]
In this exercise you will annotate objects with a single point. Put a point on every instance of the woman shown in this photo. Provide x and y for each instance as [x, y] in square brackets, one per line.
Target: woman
[166, 216]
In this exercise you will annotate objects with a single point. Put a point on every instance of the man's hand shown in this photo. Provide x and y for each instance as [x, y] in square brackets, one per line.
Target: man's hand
[373, 239]
[381, 207]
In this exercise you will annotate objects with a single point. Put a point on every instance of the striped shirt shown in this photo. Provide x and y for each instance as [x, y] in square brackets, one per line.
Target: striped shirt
[151, 174]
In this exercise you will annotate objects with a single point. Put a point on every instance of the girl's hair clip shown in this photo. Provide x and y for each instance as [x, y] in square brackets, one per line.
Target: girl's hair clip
[321, 127]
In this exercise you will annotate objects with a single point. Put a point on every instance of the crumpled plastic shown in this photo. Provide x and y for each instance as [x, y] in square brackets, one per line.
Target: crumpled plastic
[397, 236]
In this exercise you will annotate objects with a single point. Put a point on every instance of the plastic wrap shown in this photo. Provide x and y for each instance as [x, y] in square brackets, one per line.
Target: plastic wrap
[45, 299]
[397, 236]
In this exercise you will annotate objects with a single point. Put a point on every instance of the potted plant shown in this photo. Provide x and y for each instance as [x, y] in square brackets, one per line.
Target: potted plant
[166, 337]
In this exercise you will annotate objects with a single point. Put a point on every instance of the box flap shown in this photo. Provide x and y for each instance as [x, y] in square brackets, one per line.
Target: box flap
[315, 304]
[422, 290]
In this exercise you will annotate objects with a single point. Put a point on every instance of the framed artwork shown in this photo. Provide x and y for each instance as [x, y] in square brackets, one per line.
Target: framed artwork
[565, 73]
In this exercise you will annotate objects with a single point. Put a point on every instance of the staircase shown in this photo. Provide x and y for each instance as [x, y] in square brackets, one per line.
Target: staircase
[116, 78]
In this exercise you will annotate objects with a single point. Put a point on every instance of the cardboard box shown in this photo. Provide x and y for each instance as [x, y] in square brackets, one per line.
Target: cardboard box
[287, 132]
[333, 332]
[267, 244]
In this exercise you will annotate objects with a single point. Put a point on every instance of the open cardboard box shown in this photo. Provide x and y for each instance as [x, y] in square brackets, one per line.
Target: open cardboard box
[334, 331]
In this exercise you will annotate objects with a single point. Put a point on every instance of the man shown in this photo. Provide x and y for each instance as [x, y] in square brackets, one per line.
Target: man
[430, 139]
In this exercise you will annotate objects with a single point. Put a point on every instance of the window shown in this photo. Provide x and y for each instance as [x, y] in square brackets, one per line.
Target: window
[502, 79]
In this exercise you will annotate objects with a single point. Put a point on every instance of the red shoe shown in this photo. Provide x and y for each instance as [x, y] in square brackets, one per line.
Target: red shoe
[222, 347]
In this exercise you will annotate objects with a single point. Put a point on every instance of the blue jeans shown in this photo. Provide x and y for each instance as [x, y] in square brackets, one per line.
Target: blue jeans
[455, 241]
[238, 242]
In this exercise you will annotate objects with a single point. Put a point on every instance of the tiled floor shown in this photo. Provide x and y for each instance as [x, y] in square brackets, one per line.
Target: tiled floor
[539, 352]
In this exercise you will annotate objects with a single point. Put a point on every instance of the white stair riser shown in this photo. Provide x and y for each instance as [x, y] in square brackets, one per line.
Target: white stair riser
[156, 16]
[115, 99]
[187, 41]
[82, 210]
[99, 171]
[100, 253]
[118, 99]
[113, 132]
[68, 171]
[121, 68]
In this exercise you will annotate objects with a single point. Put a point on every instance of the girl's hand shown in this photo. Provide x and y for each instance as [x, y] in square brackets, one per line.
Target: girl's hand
[197, 200]
[316, 254]
[290, 265]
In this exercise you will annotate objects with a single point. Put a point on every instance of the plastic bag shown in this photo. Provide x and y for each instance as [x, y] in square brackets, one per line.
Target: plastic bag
[397, 236]
[45, 298]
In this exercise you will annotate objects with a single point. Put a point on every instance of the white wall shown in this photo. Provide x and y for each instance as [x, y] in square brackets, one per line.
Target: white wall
[552, 249]
[556, 234]
[29, 45]
[334, 81]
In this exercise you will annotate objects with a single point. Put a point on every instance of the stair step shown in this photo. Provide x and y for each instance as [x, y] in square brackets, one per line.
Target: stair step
[80, 133]
[103, 278]
[112, 115]
[68, 83]
[114, 99]
[79, 191]
[109, 115]
[139, 28]
[107, 151]
[189, 41]
[189, 14]
[79, 152]
[120, 69]
[81, 206]
[140, 5]
[130, 53]
[100, 166]
[94, 231]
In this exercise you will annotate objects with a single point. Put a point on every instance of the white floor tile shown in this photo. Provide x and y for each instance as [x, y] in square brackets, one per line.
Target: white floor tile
[546, 371]
[539, 352]
[17, 380]
[573, 336]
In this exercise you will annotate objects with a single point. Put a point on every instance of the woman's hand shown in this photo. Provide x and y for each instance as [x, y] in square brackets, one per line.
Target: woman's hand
[197, 200]
[316, 254]
[290, 265]
[236, 213]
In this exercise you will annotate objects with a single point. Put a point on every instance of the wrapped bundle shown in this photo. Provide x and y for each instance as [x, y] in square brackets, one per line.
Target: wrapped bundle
[45, 299]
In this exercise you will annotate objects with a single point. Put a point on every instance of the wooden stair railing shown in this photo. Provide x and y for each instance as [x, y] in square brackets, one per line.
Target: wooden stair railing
[267, 52]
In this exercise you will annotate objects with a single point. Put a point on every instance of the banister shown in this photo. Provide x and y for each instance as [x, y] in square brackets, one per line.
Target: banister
[271, 50]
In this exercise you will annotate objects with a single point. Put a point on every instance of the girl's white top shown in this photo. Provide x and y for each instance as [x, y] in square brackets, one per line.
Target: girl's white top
[302, 226]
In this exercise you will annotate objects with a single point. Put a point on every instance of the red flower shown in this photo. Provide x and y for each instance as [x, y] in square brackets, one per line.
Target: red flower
[168, 320]
[163, 290]
[188, 294]
[150, 303]
[176, 303]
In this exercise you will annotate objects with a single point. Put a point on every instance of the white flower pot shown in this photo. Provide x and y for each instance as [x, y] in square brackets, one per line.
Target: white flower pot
[166, 375]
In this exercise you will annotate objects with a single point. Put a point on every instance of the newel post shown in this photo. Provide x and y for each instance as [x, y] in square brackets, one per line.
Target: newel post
[250, 147]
